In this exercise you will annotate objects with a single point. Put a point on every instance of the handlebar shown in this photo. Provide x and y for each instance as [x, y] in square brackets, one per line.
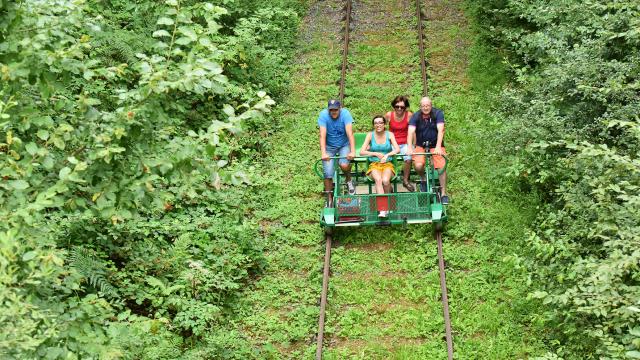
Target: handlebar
[321, 175]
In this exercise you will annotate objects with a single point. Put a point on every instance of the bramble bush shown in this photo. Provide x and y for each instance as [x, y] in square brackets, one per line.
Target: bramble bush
[571, 123]
[126, 133]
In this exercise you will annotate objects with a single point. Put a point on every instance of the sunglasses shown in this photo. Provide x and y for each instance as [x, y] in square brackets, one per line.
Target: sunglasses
[378, 123]
[400, 107]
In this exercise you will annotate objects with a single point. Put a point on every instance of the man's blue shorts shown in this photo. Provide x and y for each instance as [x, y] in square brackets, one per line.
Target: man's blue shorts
[327, 166]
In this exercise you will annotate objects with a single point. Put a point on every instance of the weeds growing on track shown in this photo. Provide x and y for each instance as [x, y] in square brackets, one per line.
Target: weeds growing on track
[384, 295]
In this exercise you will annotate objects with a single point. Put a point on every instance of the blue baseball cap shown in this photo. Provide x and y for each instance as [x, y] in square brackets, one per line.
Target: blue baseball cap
[333, 104]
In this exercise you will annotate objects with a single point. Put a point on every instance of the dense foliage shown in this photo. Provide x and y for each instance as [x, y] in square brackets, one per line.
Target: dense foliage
[571, 121]
[126, 134]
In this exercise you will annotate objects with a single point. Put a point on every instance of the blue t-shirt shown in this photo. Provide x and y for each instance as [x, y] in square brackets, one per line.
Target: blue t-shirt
[336, 132]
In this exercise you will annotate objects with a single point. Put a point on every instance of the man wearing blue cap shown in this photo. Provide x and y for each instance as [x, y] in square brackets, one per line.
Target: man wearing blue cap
[336, 138]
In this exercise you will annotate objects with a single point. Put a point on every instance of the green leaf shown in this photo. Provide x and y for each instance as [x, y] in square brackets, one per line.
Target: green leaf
[48, 163]
[59, 143]
[43, 134]
[183, 41]
[228, 109]
[64, 173]
[161, 33]
[31, 148]
[633, 354]
[29, 255]
[164, 21]
[155, 282]
[19, 184]
[81, 166]
[43, 121]
[88, 74]
[188, 32]
[145, 68]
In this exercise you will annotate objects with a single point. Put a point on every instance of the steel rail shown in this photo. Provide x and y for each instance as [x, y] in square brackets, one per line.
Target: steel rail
[445, 298]
[327, 253]
[345, 51]
[323, 296]
[443, 279]
[423, 64]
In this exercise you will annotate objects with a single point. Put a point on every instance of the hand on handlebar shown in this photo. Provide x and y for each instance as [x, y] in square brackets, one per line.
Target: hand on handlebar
[409, 152]
[351, 155]
[325, 156]
[438, 150]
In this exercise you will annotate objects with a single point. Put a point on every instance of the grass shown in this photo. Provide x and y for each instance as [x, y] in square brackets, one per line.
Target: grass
[384, 298]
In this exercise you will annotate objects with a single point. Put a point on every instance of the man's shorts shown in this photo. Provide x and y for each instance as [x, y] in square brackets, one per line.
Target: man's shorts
[438, 161]
[327, 166]
[403, 151]
[381, 167]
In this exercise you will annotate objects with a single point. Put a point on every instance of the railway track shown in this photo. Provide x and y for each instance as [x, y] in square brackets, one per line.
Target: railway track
[329, 236]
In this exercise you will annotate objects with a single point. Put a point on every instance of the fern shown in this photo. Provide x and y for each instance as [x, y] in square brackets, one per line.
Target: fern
[86, 262]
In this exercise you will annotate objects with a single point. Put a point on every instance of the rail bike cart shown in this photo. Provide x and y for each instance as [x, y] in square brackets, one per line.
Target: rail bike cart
[403, 207]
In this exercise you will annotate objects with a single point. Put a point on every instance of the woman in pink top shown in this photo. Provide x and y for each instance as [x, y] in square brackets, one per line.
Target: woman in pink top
[398, 120]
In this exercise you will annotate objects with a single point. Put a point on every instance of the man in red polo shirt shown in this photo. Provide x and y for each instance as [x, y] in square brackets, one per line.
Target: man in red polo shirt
[428, 127]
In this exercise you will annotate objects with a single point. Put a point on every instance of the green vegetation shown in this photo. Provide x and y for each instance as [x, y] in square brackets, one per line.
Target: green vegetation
[126, 136]
[384, 295]
[571, 126]
[138, 224]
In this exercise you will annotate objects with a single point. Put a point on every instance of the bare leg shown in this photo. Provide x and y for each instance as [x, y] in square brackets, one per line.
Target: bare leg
[346, 169]
[328, 187]
[443, 183]
[420, 170]
[406, 171]
[386, 181]
[377, 178]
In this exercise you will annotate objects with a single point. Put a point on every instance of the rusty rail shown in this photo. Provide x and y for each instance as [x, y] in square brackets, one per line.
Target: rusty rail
[327, 253]
[423, 64]
[444, 298]
[323, 297]
[345, 51]
[443, 279]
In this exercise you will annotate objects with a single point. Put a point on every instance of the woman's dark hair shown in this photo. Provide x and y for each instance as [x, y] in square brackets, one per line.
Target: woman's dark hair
[400, 98]
[378, 116]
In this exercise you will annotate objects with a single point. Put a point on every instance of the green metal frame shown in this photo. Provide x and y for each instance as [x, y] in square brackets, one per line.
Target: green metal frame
[361, 209]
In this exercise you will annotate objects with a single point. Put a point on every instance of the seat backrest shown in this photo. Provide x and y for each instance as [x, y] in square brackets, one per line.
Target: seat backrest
[359, 137]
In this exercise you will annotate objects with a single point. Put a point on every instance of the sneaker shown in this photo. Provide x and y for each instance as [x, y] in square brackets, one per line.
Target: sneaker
[383, 214]
[408, 186]
[351, 187]
[444, 200]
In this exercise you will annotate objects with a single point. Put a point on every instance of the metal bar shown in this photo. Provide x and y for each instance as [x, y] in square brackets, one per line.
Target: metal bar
[327, 254]
[443, 280]
[445, 299]
[323, 297]
[423, 65]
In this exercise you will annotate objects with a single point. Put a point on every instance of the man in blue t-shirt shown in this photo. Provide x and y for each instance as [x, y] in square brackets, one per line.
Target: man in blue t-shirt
[428, 127]
[336, 138]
